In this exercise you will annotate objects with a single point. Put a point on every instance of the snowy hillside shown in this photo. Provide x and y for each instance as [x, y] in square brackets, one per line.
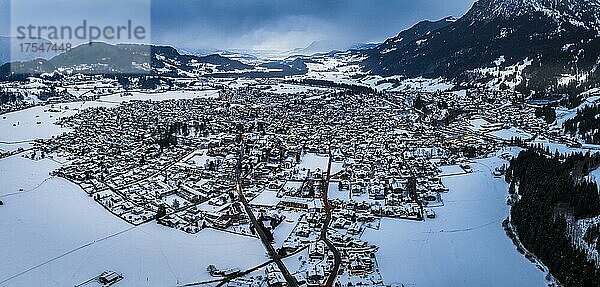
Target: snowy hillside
[558, 38]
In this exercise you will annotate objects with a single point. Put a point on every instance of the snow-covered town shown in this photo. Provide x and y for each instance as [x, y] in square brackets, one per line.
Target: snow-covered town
[459, 152]
[311, 185]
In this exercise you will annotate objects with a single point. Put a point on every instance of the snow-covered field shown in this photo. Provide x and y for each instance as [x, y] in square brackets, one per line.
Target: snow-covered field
[17, 173]
[313, 161]
[507, 134]
[563, 114]
[30, 124]
[53, 234]
[335, 193]
[286, 227]
[595, 174]
[293, 89]
[169, 95]
[337, 70]
[564, 149]
[9, 147]
[478, 123]
[336, 167]
[448, 170]
[266, 198]
[18, 129]
[464, 246]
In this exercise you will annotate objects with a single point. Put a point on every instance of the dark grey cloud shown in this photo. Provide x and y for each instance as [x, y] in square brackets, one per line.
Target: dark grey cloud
[4, 17]
[281, 24]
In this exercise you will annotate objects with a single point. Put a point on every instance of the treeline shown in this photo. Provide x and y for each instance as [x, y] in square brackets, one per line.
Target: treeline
[591, 236]
[51, 92]
[548, 113]
[550, 188]
[544, 72]
[143, 81]
[586, 123]
[168, 137]
[8, 97]
[571, 101]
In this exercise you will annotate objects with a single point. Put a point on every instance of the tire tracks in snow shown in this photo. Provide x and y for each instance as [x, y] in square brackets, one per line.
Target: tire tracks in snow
[3, 281]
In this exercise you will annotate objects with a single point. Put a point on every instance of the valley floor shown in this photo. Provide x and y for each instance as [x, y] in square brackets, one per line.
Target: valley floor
[53, 233]
[465, 245]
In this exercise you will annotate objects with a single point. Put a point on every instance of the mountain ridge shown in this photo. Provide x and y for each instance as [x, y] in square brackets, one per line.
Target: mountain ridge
[102, 58]
[516, 30]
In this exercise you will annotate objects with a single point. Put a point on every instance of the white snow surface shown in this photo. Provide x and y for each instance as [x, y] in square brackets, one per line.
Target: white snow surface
[266, 198]
[23, 125]
[507, 134]
[595, 174]
[17, 172]
[563, 114]
[313, 162]
[478, 123]
[19, 128]
[169, 95]
[293, 89]
[53, 234]
[564, 149]
[39, 122]
[464, 246]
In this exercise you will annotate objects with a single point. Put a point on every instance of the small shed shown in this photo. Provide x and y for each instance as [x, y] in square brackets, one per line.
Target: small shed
[108, 278]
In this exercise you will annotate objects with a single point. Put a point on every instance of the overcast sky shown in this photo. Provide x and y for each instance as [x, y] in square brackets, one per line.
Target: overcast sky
[280, 24]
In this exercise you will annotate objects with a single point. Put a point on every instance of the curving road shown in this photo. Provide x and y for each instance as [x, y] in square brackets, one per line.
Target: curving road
[336, 253]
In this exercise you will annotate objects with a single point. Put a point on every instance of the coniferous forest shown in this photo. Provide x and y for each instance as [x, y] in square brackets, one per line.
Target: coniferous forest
[550, 189]
[586, 123]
